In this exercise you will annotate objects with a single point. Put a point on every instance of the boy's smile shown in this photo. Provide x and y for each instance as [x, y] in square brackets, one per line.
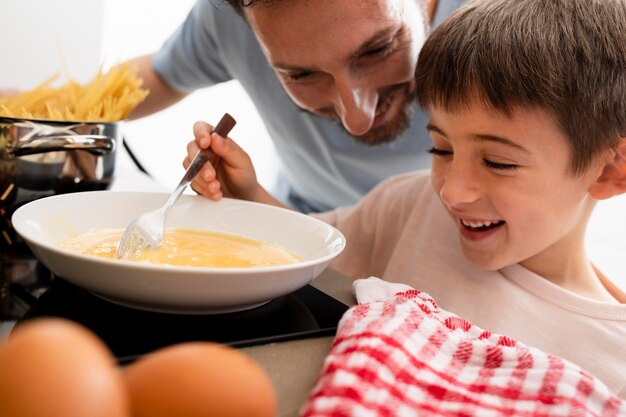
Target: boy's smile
[507, 182]
[473, 229]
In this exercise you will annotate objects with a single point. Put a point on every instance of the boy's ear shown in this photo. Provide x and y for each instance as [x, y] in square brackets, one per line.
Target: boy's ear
[612, 180]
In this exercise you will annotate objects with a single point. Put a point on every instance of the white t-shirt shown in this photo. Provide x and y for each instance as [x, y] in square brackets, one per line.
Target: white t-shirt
[323, 167]
[400, 232]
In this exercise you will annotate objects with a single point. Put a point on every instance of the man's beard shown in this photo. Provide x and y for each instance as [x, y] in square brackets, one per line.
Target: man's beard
[393, 129]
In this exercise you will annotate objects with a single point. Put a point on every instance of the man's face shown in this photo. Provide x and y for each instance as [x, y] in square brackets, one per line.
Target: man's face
[508, 184]
[350, 61]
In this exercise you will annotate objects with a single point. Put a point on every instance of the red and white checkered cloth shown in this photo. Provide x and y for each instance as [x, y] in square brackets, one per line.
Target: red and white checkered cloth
[398, 354]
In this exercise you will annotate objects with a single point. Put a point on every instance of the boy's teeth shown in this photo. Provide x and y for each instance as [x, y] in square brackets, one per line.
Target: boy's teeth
[478, 224]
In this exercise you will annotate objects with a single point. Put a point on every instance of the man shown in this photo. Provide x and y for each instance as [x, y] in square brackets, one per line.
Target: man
[331, 79]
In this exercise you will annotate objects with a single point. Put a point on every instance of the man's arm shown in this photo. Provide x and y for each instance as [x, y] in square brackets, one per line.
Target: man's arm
[161, 95]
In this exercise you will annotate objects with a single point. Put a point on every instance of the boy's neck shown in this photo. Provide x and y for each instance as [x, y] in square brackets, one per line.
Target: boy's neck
[587, 281]
[574, 272]
[617, 293]
[591, 284]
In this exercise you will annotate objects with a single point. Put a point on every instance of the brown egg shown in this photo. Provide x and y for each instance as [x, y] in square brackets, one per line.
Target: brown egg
[57, 368]
[199, 379]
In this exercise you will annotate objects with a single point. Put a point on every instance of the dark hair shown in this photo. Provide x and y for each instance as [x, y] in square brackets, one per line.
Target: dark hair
[565, 56]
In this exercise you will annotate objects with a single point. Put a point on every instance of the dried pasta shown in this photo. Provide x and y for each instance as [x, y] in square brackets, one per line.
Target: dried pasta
[108, 97]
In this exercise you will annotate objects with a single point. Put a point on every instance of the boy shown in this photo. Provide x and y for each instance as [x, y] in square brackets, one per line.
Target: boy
[527, 103]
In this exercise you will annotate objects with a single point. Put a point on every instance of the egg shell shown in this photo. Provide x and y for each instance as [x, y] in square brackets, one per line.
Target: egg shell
[56, 368]
[199, 379]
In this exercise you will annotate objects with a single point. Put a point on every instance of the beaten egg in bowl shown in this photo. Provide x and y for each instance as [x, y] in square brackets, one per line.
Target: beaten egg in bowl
[47, 222]
[186, 247]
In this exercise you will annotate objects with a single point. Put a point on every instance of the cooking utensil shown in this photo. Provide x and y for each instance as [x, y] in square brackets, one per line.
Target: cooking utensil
[147, 230]
[47, 222]
[40, 158]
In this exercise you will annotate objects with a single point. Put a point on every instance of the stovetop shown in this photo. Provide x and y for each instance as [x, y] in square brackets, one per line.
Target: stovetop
[22, 280]
[29, 290]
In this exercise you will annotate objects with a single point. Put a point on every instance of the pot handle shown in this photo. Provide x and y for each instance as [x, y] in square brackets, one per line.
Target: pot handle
[96, 144]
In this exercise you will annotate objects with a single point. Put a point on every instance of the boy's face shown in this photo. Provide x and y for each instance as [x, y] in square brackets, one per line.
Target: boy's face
[508, 185]
[350, 61]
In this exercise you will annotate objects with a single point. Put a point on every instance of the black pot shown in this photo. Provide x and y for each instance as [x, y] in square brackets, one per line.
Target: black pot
[39, 158]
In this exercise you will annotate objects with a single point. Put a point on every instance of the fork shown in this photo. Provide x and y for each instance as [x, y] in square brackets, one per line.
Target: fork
[146, 231]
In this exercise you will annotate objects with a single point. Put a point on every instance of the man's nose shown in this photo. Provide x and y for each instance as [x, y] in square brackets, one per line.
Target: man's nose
[460, 186]
[356, 105]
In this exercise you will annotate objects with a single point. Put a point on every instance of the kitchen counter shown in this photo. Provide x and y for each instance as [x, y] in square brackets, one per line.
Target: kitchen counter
[293, 367]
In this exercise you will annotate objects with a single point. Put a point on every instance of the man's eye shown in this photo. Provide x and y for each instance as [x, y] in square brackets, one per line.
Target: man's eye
[297, 76]
[439, 152]
[502, 167]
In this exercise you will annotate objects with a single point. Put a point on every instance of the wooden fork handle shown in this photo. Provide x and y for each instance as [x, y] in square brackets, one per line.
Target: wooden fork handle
[224, 126]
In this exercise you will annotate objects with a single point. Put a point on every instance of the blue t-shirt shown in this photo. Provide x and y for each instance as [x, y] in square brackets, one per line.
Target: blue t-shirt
[322, 165]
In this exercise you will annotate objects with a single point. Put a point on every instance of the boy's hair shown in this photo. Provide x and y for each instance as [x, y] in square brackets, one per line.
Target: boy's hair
[567, 57]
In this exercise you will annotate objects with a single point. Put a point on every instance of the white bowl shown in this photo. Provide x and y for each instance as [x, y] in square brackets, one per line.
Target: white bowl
[46, 222]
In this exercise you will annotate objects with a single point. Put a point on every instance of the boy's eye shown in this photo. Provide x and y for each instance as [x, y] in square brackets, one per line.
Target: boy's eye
[496, 165]
[489, 164]
[439, 152]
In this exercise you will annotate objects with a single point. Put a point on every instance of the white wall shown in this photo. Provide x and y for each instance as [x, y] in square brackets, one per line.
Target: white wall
[43, 38]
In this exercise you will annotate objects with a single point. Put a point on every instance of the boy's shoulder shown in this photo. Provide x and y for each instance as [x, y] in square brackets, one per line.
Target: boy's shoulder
[405, 184]
[401, 194]
[407, 179]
